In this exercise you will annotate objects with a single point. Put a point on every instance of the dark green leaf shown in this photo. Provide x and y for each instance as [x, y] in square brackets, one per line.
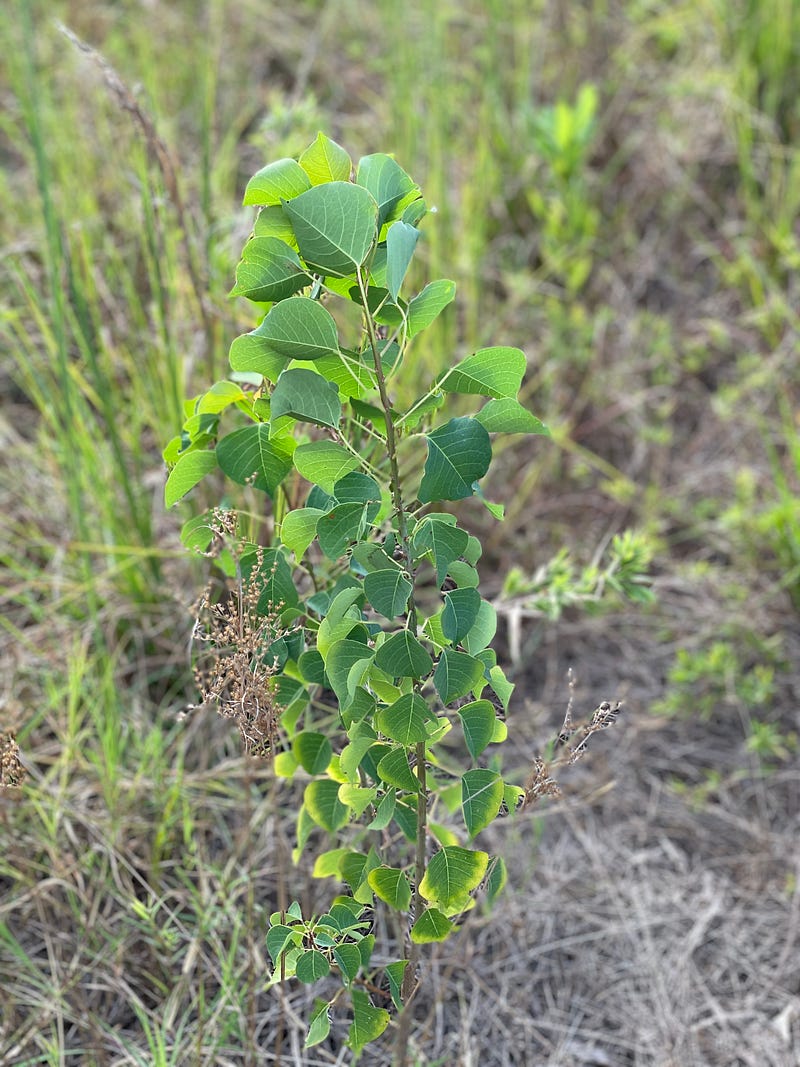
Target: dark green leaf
[498, 876]
[443, 539]
[478, 721]
[405, 720]
[306, 396]
[481, 796]
[269, 270]
[279, 938]
[335, 226]
[311, 966]
[459, 453]
[359, 488]
[277, 588]
[395, 972]
[321, 800]
[312, 751]
[278, 181]
[324, 463]
[388, 591]
[342, 525]
[312, 667]
[456, 675]
[386, 180]
[300, 328]
[249, 457]
[349, 959]
[325, 161]
[461, 608]
[401, 240]
[507, 415]
[402, 656]
[187, 472]
[394, 769]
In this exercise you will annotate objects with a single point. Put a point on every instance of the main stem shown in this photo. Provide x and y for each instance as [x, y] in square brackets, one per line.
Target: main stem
[409, 977]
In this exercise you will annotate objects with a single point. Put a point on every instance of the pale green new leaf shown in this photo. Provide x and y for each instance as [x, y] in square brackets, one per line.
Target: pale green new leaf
[321, 800]
[456, 675]
[507, 415]
[324, 463]
[281, 180]
[452, 875]
[299, 528]
[325, 161]
[431, 926]
[187, 472]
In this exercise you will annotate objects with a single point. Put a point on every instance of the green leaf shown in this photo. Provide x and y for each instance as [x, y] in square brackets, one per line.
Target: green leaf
[220, 396]
[383, 815]
[299, 528]
[386, 180]
[339, 527]
[359, 488]
[300, 328]
[459, 453]
[329, 864]
[430, 926]
[357, 797]
[481, 796]
[187, 472]
[391, 885]
[405, 720]
[306, 396]
[312, 751]
[394, 769]
[279, 938]
[402, 656]
[278, 181]
[443, 539]
[483, 629]
[324, 463]
[274, 222]
[427, 305]
[352, 377]
[368, 1022]
[478, 721]
[353, 753]
[345, 664]
[495, 372]
[498, 876]
[249, 457]
[320, 1025]
[401, 240]
[501, 685]
[269, 270]
[452, 875]
[456, 675]
[342, 616]
[325, 161]
[507, 415]
[395, 972]
[250, 353]
[388, 591]
[321, 800]
[349, 959]
[373, 558]
[311, 966]
[461, 607]
[335, 226]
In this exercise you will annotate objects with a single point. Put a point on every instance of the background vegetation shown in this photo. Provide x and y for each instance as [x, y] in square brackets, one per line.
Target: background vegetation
[617, 186]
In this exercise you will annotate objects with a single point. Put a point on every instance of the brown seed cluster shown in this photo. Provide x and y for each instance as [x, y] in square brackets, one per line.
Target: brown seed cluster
[235, 672]
[12, 773]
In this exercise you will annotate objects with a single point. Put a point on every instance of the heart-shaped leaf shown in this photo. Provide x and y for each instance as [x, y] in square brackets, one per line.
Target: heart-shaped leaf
[459, 453]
